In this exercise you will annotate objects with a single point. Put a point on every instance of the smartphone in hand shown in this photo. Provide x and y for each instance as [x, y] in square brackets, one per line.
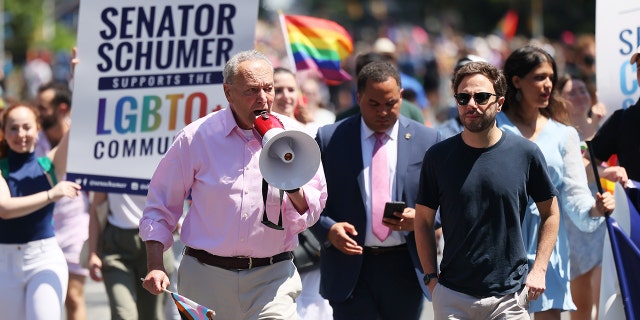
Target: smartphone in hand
[393, 206]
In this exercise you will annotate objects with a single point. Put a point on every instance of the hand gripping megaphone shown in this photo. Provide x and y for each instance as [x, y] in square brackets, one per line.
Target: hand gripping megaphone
[289, 158]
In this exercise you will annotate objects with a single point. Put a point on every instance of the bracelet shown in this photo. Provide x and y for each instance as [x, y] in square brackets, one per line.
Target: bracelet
[48, 196]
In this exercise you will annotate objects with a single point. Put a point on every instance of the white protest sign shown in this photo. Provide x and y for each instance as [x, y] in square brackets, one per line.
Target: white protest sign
[617, 37]
[147, 69]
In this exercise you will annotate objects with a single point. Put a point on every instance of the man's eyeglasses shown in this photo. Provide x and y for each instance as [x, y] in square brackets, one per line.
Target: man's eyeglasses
[479, 97]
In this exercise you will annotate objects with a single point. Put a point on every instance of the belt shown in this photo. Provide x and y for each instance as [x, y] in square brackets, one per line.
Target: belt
[236, 263]
[384, 250]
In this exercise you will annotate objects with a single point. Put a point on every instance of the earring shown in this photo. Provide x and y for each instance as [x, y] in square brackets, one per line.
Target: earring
[518, 95]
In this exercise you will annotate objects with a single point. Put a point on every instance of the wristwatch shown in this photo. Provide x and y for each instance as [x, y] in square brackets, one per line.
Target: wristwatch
[427, 278]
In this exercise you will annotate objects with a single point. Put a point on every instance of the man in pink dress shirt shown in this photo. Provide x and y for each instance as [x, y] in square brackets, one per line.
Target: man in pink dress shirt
[233, 263]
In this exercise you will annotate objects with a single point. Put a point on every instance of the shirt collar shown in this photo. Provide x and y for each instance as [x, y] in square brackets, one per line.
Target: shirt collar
[366, 132]
[230, 124]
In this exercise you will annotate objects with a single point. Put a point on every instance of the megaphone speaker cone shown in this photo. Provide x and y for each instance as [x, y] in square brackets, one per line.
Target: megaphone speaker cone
[289, 159]
[278, 145]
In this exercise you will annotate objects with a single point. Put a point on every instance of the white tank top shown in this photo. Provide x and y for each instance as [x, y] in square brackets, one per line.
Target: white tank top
[126, 210]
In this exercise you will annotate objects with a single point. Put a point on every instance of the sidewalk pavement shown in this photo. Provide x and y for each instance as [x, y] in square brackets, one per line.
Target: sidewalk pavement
[96, 299]
[98, 307]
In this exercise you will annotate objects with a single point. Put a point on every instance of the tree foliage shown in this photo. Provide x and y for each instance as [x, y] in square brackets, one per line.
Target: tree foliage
[22, 18]
[467, 16]
[24, 21]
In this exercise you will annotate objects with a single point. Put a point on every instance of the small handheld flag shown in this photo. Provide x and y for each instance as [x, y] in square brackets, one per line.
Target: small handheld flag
[188, 309]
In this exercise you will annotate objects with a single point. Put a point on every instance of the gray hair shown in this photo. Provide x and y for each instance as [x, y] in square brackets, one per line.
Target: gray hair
[231, 67]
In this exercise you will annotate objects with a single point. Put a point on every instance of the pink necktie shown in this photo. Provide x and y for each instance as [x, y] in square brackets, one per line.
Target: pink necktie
[379, 187]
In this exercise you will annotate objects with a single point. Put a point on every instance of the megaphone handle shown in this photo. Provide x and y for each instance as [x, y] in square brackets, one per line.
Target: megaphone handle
[265, 218]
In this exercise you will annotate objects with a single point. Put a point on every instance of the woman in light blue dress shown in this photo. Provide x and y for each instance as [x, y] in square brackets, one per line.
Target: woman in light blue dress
[586, 247]
[533, 111]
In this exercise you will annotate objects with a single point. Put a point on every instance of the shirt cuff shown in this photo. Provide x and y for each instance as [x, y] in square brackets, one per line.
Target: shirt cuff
[151, 230]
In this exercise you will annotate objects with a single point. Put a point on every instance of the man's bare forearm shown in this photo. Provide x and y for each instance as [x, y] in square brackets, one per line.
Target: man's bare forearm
[154, 255]
[549, 224]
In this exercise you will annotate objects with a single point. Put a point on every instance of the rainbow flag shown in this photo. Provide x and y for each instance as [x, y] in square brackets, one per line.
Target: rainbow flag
[190, 310]
[508, 25]
[317, 44]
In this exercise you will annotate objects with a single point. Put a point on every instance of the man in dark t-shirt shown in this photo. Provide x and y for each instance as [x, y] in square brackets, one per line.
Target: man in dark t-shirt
[481, 180]
[620, 134]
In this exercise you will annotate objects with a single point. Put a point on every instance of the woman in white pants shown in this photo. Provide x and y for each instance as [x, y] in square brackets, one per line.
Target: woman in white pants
[33, 270]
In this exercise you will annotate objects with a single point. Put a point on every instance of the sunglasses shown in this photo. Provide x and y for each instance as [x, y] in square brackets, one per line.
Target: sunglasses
[479, 97]
[589, 60]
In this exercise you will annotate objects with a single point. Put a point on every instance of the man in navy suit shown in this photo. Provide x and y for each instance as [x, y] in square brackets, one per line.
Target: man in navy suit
[365, 276]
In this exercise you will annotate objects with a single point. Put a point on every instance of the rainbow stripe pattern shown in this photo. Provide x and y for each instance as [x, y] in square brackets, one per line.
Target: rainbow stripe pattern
[190, 310]
[319, 44]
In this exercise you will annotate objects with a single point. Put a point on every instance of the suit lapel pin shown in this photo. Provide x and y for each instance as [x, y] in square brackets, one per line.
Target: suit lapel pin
[407, 136]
